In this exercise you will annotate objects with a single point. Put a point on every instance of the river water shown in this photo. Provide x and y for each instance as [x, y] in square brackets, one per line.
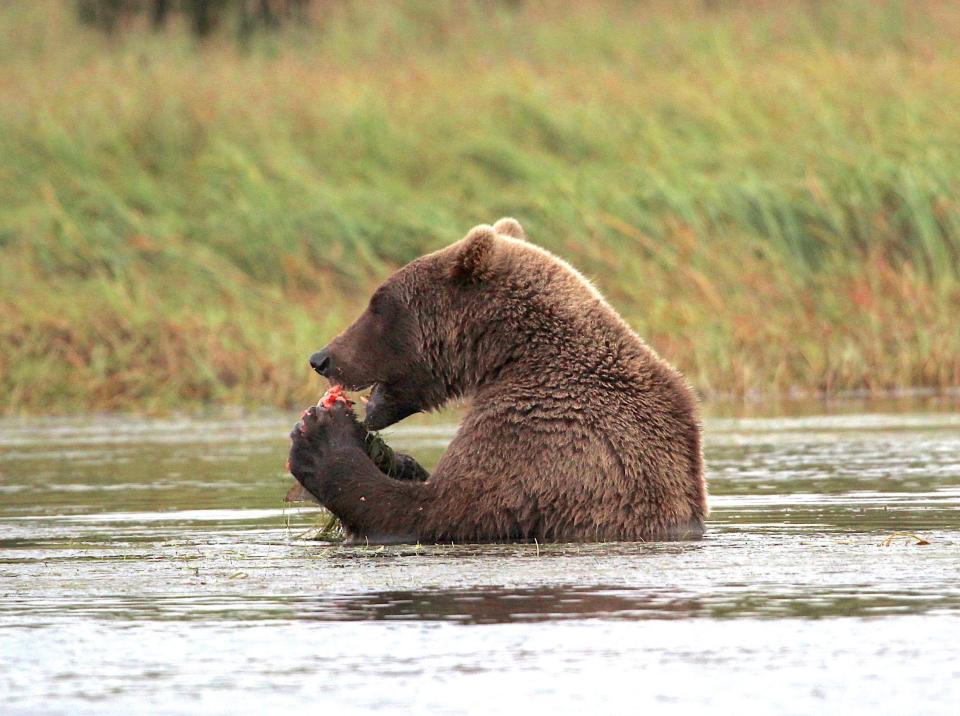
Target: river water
[150, 565]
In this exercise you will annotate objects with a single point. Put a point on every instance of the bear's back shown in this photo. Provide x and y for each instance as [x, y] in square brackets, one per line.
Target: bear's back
[586, 433]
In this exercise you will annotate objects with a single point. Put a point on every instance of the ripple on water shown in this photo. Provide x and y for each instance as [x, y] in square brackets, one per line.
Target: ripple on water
[151, 564]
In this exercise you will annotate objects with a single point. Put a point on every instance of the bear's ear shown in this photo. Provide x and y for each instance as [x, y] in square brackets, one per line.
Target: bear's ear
[510, 227]
[475, 255]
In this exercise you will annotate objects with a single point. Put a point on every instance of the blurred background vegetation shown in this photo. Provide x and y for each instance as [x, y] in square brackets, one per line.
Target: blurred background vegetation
[195, 195]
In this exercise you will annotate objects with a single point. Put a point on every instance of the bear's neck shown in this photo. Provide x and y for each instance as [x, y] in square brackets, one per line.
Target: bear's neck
[536, 347]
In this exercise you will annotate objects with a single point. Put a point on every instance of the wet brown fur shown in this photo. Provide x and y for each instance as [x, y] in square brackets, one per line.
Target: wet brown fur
[577, 429]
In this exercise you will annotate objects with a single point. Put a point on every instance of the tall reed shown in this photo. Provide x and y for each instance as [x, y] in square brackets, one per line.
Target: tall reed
[767, 191]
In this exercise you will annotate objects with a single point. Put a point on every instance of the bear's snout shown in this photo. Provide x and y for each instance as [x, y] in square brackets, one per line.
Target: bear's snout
[322, 363]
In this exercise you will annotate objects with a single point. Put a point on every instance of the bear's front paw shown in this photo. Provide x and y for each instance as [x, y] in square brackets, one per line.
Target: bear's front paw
[320, 433]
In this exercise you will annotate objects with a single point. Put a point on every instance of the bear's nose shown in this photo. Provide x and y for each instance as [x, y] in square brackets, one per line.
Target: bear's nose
[320, 362]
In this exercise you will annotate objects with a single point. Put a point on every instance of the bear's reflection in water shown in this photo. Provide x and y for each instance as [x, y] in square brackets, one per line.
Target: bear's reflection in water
[501, 605]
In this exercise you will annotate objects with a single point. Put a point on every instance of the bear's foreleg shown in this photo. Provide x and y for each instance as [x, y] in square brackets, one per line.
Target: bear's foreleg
[329, 458]
[397, 465]
[408, 469]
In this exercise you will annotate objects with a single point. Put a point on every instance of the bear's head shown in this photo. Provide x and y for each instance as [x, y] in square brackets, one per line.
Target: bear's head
[442, 324]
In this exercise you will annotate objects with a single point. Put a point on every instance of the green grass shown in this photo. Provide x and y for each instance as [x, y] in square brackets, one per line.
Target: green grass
[767, 191]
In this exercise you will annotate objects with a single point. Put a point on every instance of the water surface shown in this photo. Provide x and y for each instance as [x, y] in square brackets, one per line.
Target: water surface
[151, 565]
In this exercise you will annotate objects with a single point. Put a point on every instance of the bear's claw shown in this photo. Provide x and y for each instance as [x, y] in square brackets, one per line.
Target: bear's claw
[318, 433]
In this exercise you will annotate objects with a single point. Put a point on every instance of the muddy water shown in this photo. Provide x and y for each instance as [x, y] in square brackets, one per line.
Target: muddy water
[150, 565]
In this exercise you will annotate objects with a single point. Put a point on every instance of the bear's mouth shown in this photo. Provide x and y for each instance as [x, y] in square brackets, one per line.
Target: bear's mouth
[354, 387]
[372, 395]
[374, 405]
[383, 406]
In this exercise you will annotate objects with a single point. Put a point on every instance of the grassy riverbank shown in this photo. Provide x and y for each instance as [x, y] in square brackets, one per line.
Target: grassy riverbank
[768, 192]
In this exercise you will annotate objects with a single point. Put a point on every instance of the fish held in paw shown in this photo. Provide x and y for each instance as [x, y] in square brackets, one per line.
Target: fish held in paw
[334, 395]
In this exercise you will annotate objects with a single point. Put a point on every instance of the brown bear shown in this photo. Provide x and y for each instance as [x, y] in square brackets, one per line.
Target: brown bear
[577, 430]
